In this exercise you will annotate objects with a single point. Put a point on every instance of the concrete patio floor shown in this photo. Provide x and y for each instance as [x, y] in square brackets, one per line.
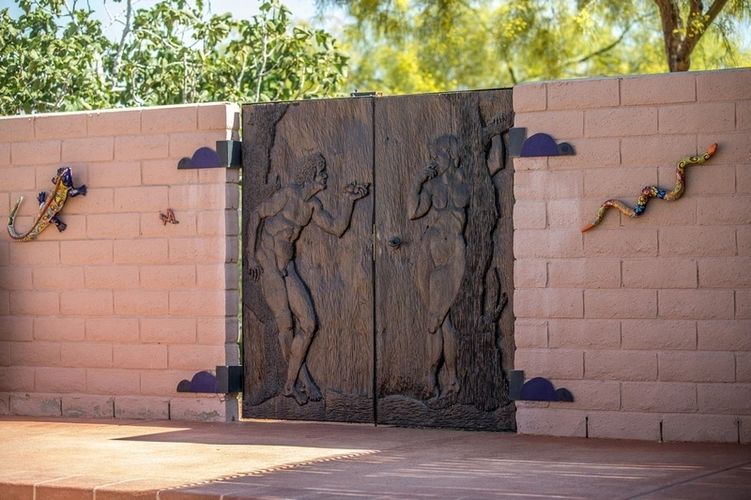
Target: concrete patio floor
[114, 459]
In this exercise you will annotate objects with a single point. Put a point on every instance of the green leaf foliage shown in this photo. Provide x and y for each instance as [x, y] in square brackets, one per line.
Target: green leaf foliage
[56, 58]
[407, 46]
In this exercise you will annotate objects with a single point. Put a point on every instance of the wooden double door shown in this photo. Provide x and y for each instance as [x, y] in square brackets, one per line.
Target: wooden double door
[377, 260]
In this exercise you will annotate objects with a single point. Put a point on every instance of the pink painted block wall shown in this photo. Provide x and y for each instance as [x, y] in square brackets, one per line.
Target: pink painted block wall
[106, 318]
[647, 321]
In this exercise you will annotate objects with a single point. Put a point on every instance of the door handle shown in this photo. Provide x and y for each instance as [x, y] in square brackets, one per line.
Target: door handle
[395, 242]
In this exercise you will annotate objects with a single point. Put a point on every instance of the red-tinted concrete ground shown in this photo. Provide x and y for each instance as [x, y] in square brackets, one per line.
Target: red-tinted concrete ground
[98, 460]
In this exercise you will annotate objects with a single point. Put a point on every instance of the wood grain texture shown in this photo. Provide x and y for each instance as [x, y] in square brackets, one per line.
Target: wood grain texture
[336, 271]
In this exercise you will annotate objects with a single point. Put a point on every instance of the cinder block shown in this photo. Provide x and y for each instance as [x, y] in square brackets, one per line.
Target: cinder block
[58, 278]
[725, 272]
[220, 330]
[539, 185]
[703, 179]
[96, 201]
[729, 210]
[153, 226]
[667, 397]
[20, 179]
[530, 215]
[205, 409]
[548, 303]
[112, 329]
[34, 302]
[623, 425]
[590, 153]
[86, 354]
[530, 163]
[583, 94]
[86, 252]
[743, 179]
[218, 223]
[726, 85]
[618, 122]
[115, 174]
[550, 363]
[590, 395]
[16, 128]
[705, 428]
[659, 272]
[191, 197]
[114, 122]
[59, 329]
[548, 422]
[112, 226]
[16, 379]
[624, 184]
[185, 143]
[147, 251]
[88, 406]
[734, 399]
[743, 304]
[195, 357]
[86, 302]
[4, 154]
[685, 366]
[60, 125]
[88, 149]
[149, 356]
[142, 147]
[141, 199]
[658, 89]
[725, 335]
[165, 172]
[620, 303]
[697, 117]
[197, 250]
[530, 273]
[38, 254]
[734, 147]
[142, 408]
[743, 115]
[584, 273]
[17, 328]
[16, 278]
[531, 333]
[218, 276]
[657, 150]
[198, 302]
[34, 153]
[112, 277]
[744, 429]
[585, 334]
[620, 365]
[701, 241]
[35, 405]
[164, 119]
[696, 304]
[529, 97]
[561, 125]
[60, 380]
[111, 381]
[743, 366]
[535, 243]
[163, 382]
[660, 215]
[218, 116]
[168, 330]
[168, 277]
[141, 302]
[658, 334]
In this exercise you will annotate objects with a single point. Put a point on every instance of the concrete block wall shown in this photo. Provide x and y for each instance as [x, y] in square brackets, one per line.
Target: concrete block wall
[106, 318]
[647, 321]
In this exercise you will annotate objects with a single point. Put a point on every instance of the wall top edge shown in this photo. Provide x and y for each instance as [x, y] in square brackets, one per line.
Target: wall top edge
[686, 74]
[89, 112]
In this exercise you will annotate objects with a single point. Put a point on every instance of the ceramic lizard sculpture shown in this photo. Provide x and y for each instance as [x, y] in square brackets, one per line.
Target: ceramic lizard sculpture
[49, 206]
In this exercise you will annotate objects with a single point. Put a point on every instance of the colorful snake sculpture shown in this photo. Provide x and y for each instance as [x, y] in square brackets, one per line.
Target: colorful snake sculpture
[49, 206]
[650, 192]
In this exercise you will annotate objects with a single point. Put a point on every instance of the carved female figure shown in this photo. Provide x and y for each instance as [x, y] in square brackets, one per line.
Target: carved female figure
[441, 193]
[273, 230]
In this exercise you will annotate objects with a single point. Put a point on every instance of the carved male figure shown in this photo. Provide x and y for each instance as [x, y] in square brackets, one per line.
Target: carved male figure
[273, 229]
[441, 192]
